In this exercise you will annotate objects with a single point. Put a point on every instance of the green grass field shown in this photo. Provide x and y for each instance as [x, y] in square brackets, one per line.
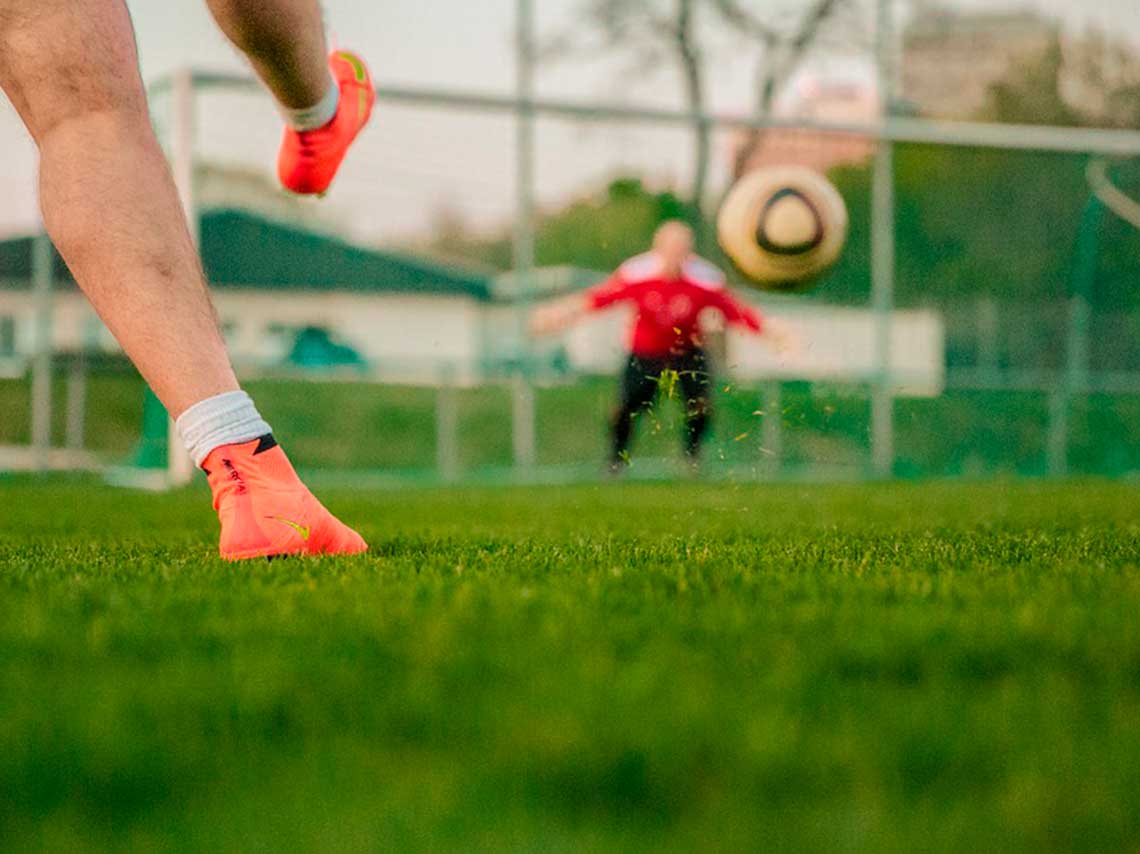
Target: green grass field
[677, 667]
[364, 427]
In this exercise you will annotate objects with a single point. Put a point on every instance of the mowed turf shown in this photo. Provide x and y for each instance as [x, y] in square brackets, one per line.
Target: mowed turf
[681, 667]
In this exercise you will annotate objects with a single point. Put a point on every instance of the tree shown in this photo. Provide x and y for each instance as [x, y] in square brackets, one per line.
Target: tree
[657, 31]
[601, 231]
[1031, 92]
[674, 32]
[453, 241]
[1103, 77]
[1090, 81]
[597, 231]
[779, 53]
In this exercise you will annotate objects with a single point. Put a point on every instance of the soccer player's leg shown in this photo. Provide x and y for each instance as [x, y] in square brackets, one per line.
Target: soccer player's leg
[326, 100]
[638, 391]
[696, 386]
[110, 205]
[109, 202]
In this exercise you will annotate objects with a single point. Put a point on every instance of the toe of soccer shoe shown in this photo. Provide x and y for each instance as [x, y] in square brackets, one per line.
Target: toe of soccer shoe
[330, 536]
[284, 524]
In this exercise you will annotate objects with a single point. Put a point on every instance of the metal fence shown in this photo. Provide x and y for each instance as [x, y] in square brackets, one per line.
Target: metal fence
[1041, 374]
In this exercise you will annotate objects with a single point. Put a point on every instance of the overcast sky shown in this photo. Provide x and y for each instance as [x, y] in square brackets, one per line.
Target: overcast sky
[417, 162]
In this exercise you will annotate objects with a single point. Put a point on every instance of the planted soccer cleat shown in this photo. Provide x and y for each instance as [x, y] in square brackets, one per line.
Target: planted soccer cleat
[266, 511]
[310, 159]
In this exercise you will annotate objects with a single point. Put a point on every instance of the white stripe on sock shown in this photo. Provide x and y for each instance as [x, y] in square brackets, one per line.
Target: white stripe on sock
[227, 419]
[316, 116]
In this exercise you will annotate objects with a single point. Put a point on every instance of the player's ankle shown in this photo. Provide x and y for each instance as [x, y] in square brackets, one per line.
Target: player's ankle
[221, 421]
[317, 116]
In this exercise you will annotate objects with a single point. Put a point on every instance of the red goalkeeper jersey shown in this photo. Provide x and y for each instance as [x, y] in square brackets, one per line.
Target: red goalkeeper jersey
[668, 311]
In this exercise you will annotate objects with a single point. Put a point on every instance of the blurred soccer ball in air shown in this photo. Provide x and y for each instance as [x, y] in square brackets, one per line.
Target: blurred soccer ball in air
[783, 227]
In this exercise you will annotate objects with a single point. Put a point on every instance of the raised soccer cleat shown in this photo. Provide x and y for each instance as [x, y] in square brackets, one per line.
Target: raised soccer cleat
[310, 159]
[266, 511]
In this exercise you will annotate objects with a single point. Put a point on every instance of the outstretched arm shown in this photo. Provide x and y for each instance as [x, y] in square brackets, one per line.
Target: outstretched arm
[782, 336]
[557, 316]
[737, 313]
[554, 317]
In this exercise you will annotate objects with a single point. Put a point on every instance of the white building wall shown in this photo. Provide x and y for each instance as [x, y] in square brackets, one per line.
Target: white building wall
[422, 338]
[405, 337]
[74, 324]
[599, 343]
[838, 344]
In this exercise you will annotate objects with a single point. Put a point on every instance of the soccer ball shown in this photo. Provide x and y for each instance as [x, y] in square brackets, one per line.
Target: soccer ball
[783, 227]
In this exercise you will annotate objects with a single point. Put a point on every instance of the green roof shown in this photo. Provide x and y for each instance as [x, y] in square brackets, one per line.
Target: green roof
[244, 250]
[16, 262]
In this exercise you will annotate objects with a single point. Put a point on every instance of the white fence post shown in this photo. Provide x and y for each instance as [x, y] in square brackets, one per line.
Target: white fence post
[77, 403]
[447, 427]
[44, 297]
[883, 259]
[523, 414]
[772, 428]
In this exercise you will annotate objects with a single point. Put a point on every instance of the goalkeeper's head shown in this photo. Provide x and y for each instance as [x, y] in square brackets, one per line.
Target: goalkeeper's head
[673, 245]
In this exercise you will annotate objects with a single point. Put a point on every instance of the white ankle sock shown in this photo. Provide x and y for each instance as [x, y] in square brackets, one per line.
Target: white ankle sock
[316, 116]
[227, 419]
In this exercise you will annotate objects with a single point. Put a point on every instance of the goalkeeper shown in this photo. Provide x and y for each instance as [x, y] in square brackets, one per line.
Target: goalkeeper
[670, 287]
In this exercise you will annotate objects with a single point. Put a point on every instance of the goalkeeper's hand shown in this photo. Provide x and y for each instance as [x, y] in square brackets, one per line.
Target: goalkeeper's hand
[784, 338]
[557, 316]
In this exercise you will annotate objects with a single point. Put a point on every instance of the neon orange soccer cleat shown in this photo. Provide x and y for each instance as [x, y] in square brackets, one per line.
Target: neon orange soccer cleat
[310, 159]
[266, 511]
